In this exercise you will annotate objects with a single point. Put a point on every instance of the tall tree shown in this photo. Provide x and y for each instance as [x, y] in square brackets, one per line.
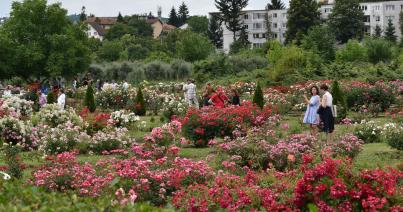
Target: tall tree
[173, 18]
[198, 24]
[346, 20]
[275, 5]
[401, 27]
[390, 32]
[120, 18]
[267, 23]
[320, 40]
[302, 15]
[83, 15]
[45, 42]
[241, 43]
[215, 31]
[378, 31]
[183, 13]
[401, 22]
[230, 12]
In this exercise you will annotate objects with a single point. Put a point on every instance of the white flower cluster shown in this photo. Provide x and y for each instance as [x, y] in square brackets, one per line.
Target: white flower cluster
[110, 139]
[53, 115]
[62, 138]
[17, 107]
[173, 106]
[123, 118]
[17, 132]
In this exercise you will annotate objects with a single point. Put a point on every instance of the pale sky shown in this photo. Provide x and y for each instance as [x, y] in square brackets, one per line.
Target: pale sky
[129, 7]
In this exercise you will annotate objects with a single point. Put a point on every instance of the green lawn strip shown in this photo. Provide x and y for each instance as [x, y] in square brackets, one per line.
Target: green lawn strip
[378, 155]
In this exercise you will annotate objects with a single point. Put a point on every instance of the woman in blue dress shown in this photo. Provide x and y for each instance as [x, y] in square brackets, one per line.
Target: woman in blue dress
[311, 115]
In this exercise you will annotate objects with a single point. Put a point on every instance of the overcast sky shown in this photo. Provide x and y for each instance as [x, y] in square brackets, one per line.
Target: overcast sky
[129, 7]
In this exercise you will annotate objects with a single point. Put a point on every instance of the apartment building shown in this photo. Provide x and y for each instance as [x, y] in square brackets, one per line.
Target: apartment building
[255, 22]
[376, 13]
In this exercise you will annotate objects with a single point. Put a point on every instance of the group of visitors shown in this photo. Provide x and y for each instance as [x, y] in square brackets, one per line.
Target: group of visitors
[211, 96]
[320, 112]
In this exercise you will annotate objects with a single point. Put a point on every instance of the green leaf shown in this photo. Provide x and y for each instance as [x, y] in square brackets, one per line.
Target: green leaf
[312, 207]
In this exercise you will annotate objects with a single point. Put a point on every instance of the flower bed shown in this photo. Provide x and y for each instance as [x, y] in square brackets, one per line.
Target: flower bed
[202, 125]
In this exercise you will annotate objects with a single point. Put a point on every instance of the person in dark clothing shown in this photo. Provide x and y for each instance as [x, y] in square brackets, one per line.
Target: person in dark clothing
[235, 99]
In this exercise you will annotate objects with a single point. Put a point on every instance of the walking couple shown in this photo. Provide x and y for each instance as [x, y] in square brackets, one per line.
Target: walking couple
[320, 112]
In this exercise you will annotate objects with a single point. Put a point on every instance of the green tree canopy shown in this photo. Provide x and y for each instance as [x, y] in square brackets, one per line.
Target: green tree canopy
[390, 32]
[44, 41]
[193, 46]
[173, 18]
[132, 26]
[347, 20]
[275, 5]
[320, 40]
[183, 14]
[198, 24]
[302, 15]
[215, 31]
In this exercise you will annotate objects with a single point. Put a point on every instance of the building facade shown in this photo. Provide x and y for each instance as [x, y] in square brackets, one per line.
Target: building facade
[255, 21]
[375, 14]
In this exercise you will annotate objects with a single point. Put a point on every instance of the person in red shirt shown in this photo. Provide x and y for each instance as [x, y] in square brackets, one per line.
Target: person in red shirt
[218, 99]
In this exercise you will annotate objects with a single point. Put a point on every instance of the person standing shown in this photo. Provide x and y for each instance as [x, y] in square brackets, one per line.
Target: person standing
[191, 94]
[235, 99]
[311, 115]
[75, 83]
[185, 90]
[125, 85]
[61, 100]
[326, 113]
[42, 99]
[207, 94]
[218, 99]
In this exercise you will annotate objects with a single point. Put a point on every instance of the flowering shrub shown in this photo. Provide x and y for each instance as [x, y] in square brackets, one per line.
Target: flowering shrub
[166, 135]
[139, 178]
[174, 106]
[18, 132]
[110, 139]
[114, 96]
[95, 121]
[229, 192]
[123, 118]
[394, 135]
[17, 107]
[64, 173]
[331, 186]
[349, 145]
[369, 132]
[53, 115]
[374, 99]
[62, 138]
[202, 125]
[257, 153]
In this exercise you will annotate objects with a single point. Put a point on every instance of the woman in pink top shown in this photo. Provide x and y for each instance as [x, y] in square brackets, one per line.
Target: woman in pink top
[218, 99]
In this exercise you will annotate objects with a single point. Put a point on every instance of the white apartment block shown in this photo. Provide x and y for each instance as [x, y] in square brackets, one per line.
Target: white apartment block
[255, 24]
[376, 13]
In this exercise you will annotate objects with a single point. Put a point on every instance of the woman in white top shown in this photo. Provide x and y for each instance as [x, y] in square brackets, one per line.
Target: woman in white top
[326, 113]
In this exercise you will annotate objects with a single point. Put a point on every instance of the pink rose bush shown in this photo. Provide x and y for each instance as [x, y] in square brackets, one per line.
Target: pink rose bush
[140, 177]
